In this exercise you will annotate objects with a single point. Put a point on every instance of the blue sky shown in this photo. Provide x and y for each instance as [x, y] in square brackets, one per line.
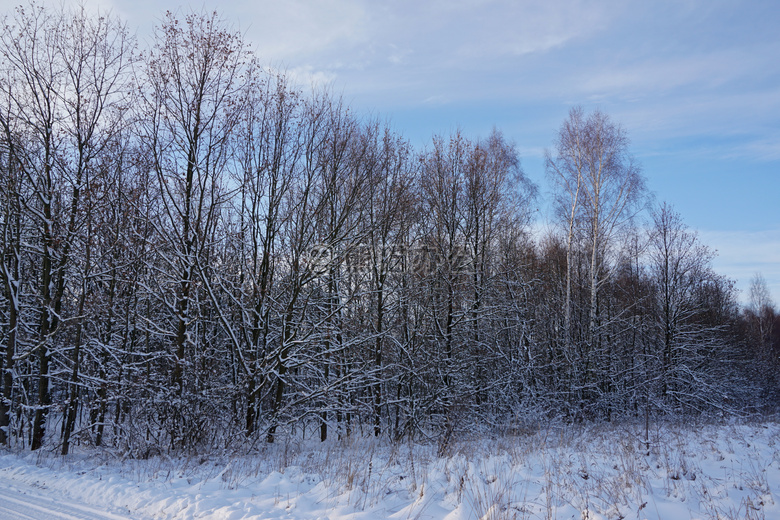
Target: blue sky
[696, 85]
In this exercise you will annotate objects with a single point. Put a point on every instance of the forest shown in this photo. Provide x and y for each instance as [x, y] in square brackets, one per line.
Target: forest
[199, 254]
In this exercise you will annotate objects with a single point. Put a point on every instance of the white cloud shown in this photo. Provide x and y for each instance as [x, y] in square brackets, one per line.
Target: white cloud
[490, 30]
[741, 254]
[763, 149]
[307, 76]
[700, 71]
[299, 29]
[371, 45]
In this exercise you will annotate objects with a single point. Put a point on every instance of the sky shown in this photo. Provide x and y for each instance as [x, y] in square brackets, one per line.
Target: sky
[694, 83]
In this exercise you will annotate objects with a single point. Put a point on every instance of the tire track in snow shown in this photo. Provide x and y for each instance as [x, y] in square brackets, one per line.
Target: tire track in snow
[22, 502]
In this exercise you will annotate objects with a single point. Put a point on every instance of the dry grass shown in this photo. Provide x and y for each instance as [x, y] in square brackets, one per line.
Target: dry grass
[718, 472]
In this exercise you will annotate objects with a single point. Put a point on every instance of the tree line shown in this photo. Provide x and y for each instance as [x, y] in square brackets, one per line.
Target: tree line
[197, 254]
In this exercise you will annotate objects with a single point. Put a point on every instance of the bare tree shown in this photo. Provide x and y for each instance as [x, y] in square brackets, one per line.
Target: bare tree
[762, 335]
[680, 269]
[760, 304]
[192, 99]
[600, 188]
[63, 73]
[29, 51]
[391, 200]
[12, 189]
[566, 168]
[269, 151]
[97, 54]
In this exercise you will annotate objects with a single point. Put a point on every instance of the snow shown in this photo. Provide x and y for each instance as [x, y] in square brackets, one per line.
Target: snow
[27, 502]
[589, 472]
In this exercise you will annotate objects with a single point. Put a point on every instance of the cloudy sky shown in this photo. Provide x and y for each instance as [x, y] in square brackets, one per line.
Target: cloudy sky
[695, 83]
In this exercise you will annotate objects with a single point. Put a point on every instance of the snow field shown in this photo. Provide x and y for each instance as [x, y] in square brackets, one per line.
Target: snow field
[590, 472]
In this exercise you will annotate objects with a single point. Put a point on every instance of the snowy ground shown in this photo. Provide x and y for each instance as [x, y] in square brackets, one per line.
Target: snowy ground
[584, 473]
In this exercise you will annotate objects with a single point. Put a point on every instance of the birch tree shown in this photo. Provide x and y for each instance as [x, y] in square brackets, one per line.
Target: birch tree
[600, 188]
